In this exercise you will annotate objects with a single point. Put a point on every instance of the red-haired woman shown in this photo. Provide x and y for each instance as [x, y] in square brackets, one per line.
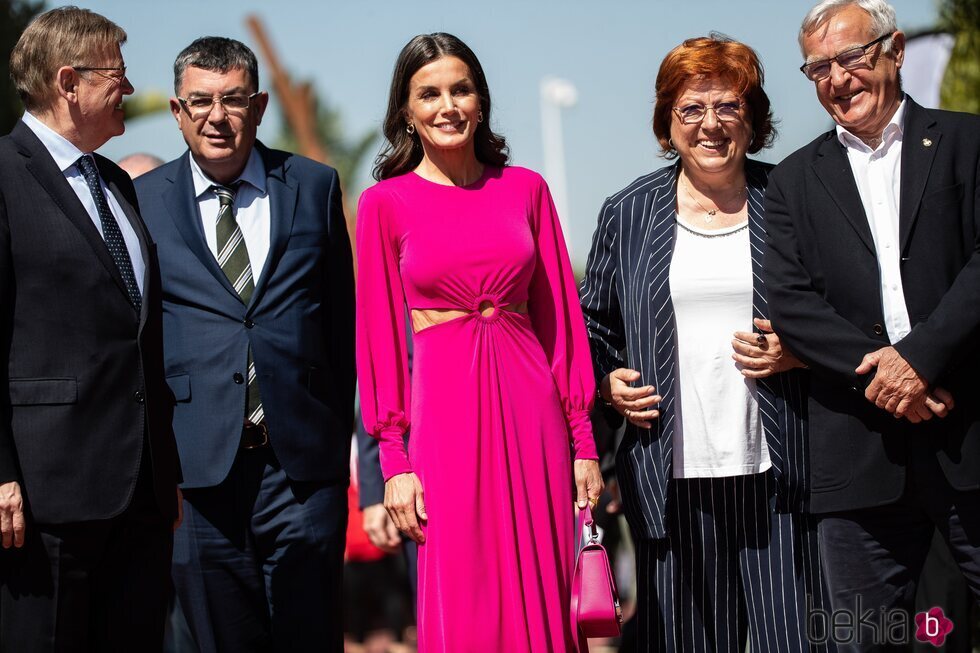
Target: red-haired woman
[711, 468]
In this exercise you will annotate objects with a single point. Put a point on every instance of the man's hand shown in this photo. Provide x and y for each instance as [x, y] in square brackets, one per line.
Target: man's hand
[899, 389]
[403, 501]
[380, 529]
[11, 515]
[180, 510]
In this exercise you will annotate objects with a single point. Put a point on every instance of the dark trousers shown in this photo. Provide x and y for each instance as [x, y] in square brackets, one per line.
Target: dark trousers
[258, 563]
[730, 570]
[875, 555]
[89, 586]
[941, 584]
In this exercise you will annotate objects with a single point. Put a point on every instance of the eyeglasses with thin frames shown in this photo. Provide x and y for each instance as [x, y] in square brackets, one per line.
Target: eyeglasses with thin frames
[851, 59]
[200, 106]
[114, 73]
[724, 111]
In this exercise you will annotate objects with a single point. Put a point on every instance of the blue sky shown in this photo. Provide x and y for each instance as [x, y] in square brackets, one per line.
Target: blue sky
[609, 50]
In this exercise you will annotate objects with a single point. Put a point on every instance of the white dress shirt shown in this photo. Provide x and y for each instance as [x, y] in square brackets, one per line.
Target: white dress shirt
[878, 174]
[66, 156]
[717, 431]
[252, 211]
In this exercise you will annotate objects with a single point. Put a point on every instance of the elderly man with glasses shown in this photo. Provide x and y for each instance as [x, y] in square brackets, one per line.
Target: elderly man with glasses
[258, 347]
[88, 464]
[873, 267]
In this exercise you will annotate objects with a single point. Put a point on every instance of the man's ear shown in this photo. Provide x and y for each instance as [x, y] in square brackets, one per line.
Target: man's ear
[66, 83]
[176, 109]
[261, 101]
[898, 48]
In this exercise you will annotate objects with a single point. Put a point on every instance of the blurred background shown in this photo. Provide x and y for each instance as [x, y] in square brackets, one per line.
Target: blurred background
[571, 80]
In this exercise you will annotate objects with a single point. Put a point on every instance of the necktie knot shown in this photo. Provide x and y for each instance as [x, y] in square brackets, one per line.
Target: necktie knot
[225, 194]
[87, 167]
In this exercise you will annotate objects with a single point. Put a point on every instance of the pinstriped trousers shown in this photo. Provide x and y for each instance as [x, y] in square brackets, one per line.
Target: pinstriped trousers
[730, 570]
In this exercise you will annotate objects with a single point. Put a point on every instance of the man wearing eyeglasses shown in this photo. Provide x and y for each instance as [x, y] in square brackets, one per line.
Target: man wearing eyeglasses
[88, 463]
[873, 267]
[258, 346]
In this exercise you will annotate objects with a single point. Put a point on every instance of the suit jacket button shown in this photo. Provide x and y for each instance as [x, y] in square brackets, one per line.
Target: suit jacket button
[238, 378]
[249, 324]
[138, 397]
[878, 329]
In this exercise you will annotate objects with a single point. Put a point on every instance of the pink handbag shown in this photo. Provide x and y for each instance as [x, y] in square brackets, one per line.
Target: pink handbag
[595, 603]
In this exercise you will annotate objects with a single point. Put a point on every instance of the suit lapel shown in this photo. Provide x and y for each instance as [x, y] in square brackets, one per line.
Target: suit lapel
[182, 206]
[43, 168]
[756, 178]
[282, 192]
[834, 171]
[917, 158]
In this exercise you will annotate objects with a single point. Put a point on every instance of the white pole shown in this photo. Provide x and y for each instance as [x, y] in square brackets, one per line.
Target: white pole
[555, 95]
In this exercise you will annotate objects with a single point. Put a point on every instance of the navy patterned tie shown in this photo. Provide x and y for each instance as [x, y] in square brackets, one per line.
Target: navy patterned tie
[110, 230]
[235, 263]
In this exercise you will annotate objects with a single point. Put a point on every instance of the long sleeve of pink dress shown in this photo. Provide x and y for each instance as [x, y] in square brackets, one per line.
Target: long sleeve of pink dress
[498, 403]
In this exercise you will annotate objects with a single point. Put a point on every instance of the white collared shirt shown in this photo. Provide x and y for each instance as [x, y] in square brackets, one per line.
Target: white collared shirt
[66, 156]
[252, 210]
[878, 174]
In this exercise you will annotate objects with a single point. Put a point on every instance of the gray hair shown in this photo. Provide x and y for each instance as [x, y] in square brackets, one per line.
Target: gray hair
[882, 18]
[219, 54]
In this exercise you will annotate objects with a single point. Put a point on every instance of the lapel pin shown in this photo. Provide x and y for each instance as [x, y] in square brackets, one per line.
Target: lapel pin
[927, 142]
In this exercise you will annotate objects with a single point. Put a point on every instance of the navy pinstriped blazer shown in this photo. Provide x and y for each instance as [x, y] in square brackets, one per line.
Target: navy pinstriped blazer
[630, 318]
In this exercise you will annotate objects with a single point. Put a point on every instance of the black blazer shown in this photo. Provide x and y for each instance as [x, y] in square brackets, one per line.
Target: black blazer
[83, 390]
[299, 323]
[822, 275]
[630, 319]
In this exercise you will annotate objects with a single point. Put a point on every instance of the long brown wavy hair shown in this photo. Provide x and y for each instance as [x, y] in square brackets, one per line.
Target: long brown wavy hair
[403, 151]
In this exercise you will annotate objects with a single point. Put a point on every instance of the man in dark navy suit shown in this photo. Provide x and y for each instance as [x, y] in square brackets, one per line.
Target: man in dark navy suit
[88, 465]
[258, 346]
[873, 267]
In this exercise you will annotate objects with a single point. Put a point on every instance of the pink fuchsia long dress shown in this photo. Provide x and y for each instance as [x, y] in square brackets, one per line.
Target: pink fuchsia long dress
[497, 406]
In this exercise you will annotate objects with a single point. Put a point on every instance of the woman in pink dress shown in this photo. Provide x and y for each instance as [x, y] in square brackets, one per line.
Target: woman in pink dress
[499, 396]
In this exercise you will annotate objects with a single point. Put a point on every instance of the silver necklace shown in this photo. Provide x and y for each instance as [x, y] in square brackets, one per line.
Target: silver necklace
[709, 214]
[722, 234]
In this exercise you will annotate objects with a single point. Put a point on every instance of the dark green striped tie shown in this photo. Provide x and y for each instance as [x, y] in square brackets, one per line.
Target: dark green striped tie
[234, 262]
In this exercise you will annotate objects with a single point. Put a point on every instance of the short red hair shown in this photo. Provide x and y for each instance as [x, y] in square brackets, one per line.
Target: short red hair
[713, 56]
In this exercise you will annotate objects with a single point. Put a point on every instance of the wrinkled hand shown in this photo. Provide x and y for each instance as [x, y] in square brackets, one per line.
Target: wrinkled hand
[762, 354]
[588, 482]
[899, 389]
[403, 501]
[635, 404]
[180, 510]
[11, 515]
[380, 529]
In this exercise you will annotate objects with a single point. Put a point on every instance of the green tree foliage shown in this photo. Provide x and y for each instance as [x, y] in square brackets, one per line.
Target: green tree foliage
[14, 17]
[960, 90]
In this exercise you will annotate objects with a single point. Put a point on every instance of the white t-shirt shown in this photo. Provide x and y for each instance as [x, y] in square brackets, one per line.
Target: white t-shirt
[717, 431]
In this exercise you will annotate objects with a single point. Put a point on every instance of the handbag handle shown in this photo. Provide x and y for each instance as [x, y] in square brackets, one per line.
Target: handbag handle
[585, 518]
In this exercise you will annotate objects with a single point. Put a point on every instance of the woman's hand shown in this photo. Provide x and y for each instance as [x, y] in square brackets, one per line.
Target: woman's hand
[588, 482]
[635, 404]
[762, 354]
[403, 501]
